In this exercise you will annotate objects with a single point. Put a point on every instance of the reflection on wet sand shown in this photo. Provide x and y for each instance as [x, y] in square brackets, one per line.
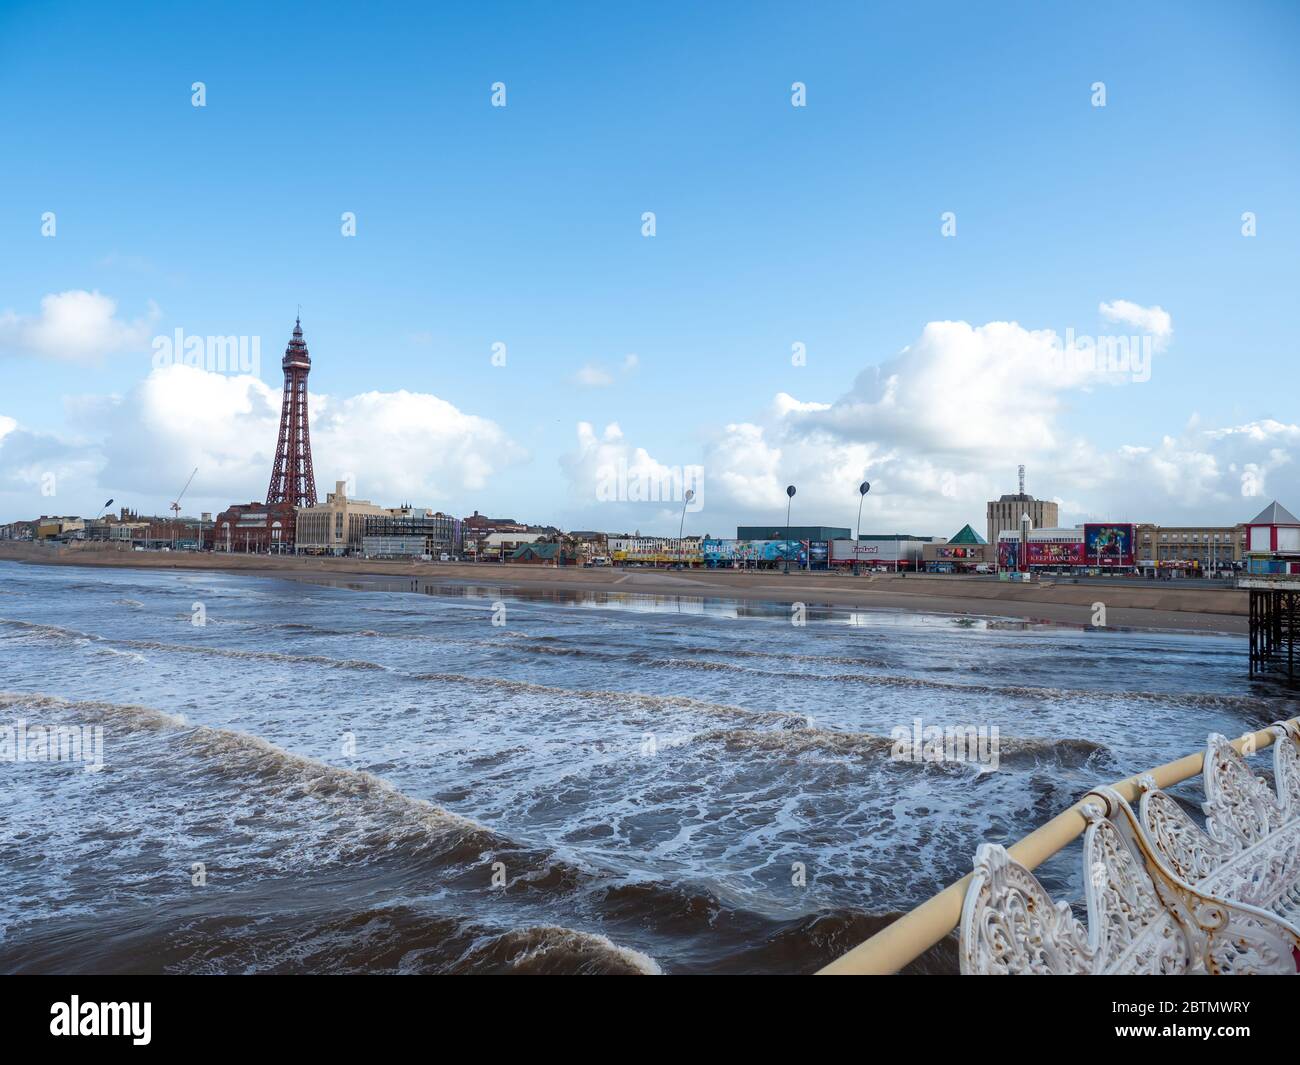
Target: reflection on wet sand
[703, 606]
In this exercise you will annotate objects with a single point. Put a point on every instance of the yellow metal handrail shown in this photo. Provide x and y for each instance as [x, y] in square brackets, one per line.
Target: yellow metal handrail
[918, 930]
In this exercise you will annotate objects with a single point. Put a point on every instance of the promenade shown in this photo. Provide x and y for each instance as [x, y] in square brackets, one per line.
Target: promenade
[1129, 602]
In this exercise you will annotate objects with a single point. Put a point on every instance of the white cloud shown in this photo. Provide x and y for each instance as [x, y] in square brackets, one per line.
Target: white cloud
[959, 390]
[41, 474]
[180, 417]
[410, 446]
[399, 446]
[75, 326]
[614, 485]
[593, 376]
[940, 429]
[745, 469]
[1154, 321]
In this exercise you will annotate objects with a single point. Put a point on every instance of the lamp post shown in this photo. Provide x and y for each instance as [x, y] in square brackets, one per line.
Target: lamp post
[789, 500]
[1025, 523]
[681, 528]
[863, 489]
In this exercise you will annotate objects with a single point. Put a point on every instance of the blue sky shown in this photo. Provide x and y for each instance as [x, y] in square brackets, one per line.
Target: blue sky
[774, 225]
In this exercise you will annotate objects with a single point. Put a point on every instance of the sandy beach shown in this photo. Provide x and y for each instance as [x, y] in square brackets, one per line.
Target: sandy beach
[1129, 603]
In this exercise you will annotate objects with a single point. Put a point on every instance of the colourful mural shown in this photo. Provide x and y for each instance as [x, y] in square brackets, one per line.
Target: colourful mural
[741, 552]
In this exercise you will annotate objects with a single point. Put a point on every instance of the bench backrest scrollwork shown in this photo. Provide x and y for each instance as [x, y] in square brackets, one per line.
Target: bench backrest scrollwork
[1144, 916]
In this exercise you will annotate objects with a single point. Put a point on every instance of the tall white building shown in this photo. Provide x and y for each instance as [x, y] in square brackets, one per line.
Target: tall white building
[1005, 513]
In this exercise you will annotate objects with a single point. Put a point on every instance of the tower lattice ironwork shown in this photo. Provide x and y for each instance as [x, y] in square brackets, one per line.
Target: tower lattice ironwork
[292, 479]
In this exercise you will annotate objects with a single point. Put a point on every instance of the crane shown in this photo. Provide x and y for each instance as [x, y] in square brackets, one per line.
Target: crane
[176, 511]
[176, 506]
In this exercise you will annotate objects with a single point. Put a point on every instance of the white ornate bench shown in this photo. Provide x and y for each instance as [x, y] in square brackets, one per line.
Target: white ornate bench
[1249, 850]
[1155, 884]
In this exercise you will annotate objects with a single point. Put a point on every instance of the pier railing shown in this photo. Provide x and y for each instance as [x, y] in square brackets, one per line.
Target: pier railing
[894, 946]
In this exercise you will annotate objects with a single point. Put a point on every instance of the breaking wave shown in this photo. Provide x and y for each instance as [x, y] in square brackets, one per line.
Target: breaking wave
[553, 949]
[1011, 750]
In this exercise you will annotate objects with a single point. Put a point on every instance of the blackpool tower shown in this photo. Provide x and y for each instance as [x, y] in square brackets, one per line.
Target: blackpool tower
[292, 479]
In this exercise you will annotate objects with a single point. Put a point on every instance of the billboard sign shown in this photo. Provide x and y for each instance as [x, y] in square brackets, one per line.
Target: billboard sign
[750, 551]
[843, 551]
[855, 551]
[973, 553]
[1049, 553]
[1109, 544]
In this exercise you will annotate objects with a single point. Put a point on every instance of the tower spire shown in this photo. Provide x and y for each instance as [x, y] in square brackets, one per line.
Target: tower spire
[292, 478]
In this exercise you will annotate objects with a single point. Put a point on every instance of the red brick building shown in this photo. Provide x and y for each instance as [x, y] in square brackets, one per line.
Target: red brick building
[253, 528]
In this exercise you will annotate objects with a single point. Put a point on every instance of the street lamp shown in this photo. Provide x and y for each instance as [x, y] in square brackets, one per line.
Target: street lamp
[690, 494]
[863, 489]
[789, 500]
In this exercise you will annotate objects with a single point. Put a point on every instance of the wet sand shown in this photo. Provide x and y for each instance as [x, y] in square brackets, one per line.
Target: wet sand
[1129, 604]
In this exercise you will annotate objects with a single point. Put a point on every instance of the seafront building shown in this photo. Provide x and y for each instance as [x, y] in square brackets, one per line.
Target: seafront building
[1107, 546]
[53, 527]
[148, 533]
[1203, 548]
[656, 550]
[1023, 532]
[407, 532]
[46, 527]
[480, 524]
[259, 528]
[795, 532]
[497, 546]
[966, 551]
[542, 554]
[1267, 543]
[588, 546]
[335, 527]
[126, 525]
[18, 530]
[1004, 513]
[877, 551]
[493, 539]
[1273, 541]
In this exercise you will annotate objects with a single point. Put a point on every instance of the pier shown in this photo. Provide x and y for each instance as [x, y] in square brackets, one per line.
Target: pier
[1274, 619]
